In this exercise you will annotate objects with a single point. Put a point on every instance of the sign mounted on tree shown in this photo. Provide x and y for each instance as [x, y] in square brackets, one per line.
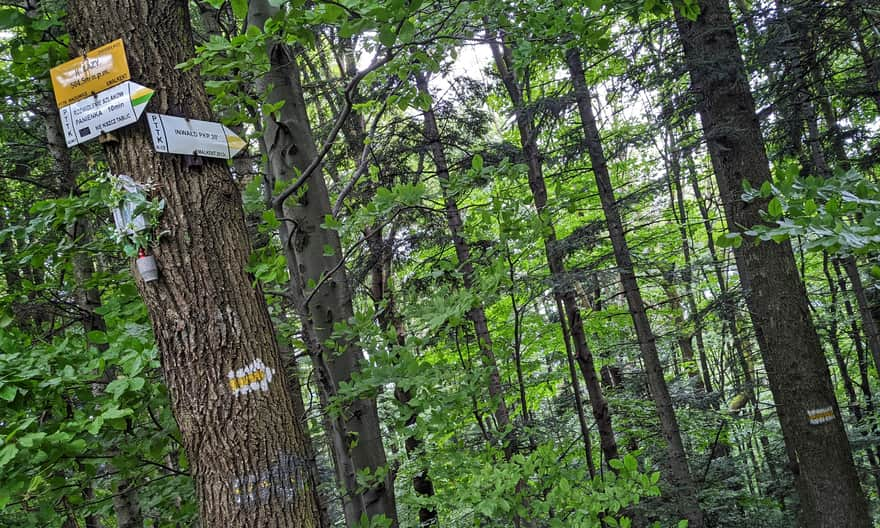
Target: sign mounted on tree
[94, 72]
[178, 135]
[114, 108]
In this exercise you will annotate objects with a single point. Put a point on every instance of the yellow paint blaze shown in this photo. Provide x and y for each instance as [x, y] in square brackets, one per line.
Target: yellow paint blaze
[244, 381]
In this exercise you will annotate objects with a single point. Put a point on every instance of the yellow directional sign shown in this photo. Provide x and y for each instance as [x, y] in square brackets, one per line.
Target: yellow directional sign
[98, 70]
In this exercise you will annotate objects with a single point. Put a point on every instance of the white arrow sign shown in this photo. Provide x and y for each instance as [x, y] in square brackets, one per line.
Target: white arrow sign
[177, 135]
[113, 108]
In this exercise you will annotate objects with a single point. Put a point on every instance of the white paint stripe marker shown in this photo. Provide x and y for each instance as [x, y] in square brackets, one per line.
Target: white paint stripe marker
[820, 416]
[251, 378]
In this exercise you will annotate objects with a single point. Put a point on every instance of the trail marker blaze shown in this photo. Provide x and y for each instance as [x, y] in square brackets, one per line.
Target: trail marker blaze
[111, 109]
[82, 77]
[177, 135]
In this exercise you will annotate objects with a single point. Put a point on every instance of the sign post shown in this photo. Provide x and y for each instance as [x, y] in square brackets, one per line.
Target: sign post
[178, 135]
[111, 109]
[94, 72]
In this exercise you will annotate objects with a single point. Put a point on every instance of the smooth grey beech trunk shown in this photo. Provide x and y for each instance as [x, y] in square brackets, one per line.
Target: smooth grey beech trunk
[684, 490]
[798, 375]
[356, 440]
[245, 449]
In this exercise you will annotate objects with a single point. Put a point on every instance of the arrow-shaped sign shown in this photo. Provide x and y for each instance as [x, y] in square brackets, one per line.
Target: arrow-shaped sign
[108, 110]
[178, 135]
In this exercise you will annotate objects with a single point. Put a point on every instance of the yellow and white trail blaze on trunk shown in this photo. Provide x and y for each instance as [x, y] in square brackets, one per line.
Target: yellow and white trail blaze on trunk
[253, 377]
[820, 416]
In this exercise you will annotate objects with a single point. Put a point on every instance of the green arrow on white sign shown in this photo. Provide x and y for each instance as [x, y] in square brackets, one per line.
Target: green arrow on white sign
[111, 109]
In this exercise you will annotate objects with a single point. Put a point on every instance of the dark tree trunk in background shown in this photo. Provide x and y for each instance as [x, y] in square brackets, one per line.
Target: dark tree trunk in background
[684, 490]
[869, 326]
[848, 386]
[562, 291]
[798, 375]
[357, 441]
[477, 314]
[245, 450]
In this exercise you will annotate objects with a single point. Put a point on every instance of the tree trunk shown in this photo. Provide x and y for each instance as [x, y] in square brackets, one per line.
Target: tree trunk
[576, 390]
[679, 212]
[869, 326]
[126, 505]
[848, 386]
[477, 314]
[799, 378]
[684, 490]
[245, 450]
[389, 320]
[561, 291]
[291, 147]
[853, 11]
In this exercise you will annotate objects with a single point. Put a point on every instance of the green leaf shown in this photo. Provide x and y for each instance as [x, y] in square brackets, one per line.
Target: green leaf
[774, 208]
[7, 454]
[477, 163]
[11, 18]
[407, 32]
[729, 240]
[328, 250]
[95, 426]
[239, 8]
[630, 463]
[810, 207]
[387, 36]
[8, 392]
[97, 337]
[117, 387]
[114, 412]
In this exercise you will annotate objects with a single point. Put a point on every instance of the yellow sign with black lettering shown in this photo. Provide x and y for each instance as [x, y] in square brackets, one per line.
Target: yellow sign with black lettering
[82, 77]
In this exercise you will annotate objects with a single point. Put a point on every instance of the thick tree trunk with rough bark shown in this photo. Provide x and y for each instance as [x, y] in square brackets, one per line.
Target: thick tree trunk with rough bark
[684, 490]
[798, 375]
[245, 449]
[290, 145]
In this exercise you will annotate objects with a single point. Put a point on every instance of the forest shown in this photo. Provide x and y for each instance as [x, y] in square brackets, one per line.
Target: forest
[397, 263]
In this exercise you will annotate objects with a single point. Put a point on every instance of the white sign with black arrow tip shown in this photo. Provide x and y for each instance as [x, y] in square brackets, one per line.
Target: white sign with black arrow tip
[178, 135]
[108, 110]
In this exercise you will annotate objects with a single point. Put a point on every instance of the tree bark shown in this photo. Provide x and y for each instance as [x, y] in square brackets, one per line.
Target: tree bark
[561, 292]
[389, 320]
[798, 375]
[684, 490]
[245, 449]
[848, 386]
[679, 212]
[477, 314]
[869, 326]
[291, 147]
